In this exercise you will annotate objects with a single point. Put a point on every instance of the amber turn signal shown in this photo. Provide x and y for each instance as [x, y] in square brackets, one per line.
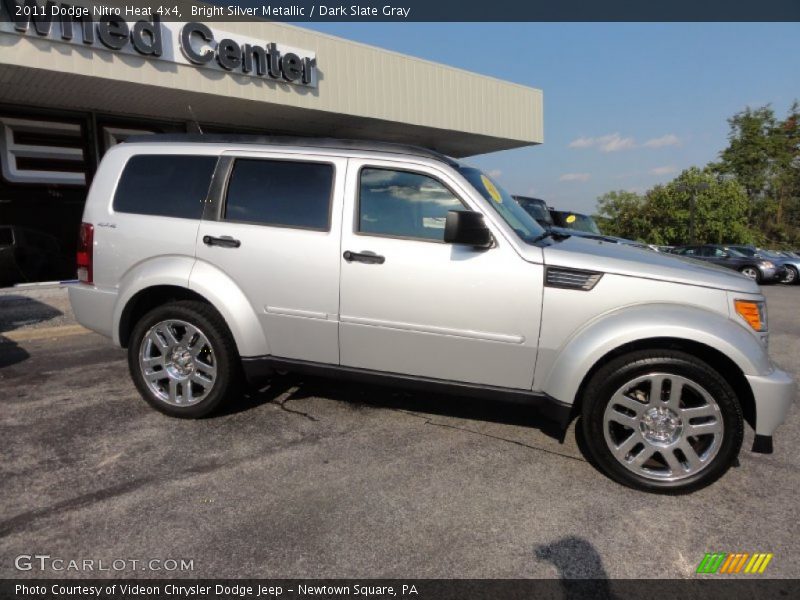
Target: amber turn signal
[753, 313]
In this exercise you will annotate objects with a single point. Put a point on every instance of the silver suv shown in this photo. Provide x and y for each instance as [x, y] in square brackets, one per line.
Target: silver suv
[217, 260]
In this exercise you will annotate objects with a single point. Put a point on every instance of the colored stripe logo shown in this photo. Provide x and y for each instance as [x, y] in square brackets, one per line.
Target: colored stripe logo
[734, 563]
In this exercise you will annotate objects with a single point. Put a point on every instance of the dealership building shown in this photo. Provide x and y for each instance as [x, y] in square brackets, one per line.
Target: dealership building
[75, 84]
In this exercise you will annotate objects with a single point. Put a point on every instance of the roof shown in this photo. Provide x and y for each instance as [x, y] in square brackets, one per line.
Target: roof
[308, 142]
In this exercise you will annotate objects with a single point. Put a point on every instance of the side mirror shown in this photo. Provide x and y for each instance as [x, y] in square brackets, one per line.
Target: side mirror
[726, 255]
[467, 227]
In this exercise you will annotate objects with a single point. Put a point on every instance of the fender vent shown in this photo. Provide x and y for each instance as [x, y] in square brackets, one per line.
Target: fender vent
[571, 279]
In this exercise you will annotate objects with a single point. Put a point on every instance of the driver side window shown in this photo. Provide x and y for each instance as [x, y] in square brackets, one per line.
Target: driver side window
[403, 204]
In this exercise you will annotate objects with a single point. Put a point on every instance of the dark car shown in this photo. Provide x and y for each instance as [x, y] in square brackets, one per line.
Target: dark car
[586, 227]
[756, 268]
[790, 264]
[537, 208]
[27, 255]
[575, 221]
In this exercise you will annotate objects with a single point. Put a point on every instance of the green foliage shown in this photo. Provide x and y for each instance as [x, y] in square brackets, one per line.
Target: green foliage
[752, 195]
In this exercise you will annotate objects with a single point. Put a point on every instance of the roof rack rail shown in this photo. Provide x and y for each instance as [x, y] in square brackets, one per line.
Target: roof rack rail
[281, 140]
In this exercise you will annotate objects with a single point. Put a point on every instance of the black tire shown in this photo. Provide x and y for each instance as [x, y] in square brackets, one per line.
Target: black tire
[791, 277]
[759, 278]
[227, 385]
[621, 370]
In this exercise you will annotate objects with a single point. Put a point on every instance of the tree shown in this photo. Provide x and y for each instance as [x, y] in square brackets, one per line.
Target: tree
[751, 195]
[763, 154]
[619, 214]
[664, 214]
[720, 205]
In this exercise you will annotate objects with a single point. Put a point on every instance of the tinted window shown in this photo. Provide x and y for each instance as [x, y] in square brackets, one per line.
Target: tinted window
[403, 204]
[538, 210]
[6, 236]
[165, 185]
[279, 192]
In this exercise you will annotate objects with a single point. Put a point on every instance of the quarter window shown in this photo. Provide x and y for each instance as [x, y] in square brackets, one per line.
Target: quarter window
[404, 204]
[166, 185]
[280, 193]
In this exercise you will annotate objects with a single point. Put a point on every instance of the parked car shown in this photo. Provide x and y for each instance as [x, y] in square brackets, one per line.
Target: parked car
[758, 269]
[537, 208]
[790, 264]
[576, 221]
[28, 255]
[210, 256]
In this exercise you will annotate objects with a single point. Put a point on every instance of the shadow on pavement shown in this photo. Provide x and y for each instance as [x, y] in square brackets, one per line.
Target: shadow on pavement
[577, 561]
[20, 311]
[301, 387]
[11, 353]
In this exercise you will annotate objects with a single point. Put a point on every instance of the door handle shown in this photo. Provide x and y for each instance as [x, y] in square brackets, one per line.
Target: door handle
[364, 257]
[224, 241]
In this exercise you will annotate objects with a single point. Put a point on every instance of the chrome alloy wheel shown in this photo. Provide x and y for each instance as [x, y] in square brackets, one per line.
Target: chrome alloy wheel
[663, 427]
[750, 273]
[790, 276]
[177, 362]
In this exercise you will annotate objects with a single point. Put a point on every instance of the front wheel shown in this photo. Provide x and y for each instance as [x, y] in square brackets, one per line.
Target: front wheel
[183, 359]
[751, 273]
[791, 276]
[662, 421]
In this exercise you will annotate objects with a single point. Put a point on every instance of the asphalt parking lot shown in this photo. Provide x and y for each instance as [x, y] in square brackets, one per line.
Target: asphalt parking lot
[311, 478]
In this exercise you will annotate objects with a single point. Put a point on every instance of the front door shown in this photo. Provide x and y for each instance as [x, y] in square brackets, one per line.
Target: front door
[413, 305]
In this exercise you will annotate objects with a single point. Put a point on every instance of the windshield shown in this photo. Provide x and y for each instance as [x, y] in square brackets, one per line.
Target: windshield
[524, 225]
[579, 222]
[538, 210]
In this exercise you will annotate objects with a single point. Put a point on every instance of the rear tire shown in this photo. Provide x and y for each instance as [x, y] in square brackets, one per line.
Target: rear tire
[183, 359]
[662, 421]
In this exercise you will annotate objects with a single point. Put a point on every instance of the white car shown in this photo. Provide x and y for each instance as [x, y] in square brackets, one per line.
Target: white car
[217, 260]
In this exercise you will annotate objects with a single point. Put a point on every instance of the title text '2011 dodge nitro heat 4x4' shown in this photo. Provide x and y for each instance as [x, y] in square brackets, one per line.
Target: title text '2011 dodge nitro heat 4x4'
[215, 259]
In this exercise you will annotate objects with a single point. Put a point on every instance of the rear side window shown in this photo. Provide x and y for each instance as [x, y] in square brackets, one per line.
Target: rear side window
[280, 193]
[166, 185]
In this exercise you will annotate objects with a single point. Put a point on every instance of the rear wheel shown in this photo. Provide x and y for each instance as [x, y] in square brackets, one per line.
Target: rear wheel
[791, 275]
[751, 273]
[662, 421]
[183, 360]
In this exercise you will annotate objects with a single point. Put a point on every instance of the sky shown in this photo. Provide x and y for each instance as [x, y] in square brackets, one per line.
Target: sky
[626, 106]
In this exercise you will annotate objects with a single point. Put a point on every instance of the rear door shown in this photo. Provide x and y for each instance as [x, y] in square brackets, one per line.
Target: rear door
[277, 235]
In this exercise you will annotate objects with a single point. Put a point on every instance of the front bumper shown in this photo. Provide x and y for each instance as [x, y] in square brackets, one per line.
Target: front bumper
[771, 274]
[773, 394]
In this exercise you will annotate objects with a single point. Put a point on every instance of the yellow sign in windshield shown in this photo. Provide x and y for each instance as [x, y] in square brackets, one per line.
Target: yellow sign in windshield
[490, 187]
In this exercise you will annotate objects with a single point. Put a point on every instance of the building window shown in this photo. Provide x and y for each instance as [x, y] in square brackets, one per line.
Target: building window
[116, 135]
[403, 204]
[168, 185]
[43, 152]
[281, 193]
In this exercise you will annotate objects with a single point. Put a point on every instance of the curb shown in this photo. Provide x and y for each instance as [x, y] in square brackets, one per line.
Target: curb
[31, 335]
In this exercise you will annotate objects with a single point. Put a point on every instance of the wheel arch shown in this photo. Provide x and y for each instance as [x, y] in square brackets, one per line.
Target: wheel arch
[711, 356]
[147, 299]
[713, 337]
[174, 278]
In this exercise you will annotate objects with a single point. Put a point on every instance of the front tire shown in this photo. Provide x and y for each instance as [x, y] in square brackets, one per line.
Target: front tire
[662, 421]
[791, 276]
[751, 273]
[183, 359]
